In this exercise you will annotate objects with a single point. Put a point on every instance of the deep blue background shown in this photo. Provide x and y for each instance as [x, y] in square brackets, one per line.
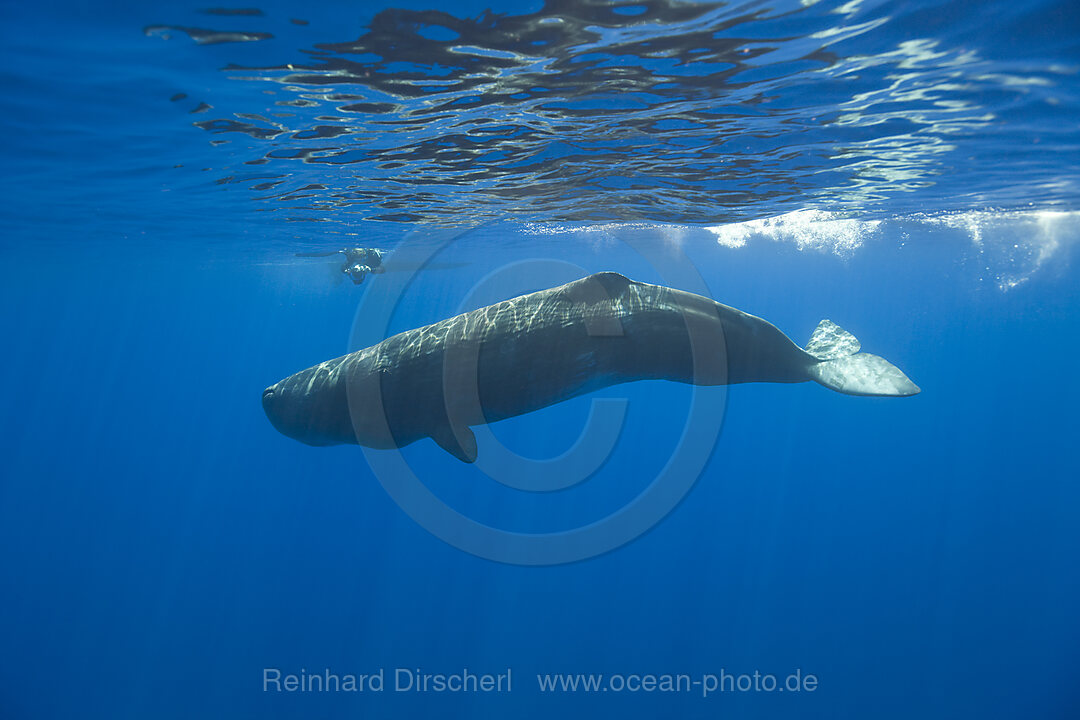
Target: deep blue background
[160, 543]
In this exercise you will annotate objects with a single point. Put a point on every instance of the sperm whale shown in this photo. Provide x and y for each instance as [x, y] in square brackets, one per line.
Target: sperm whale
[535, 350]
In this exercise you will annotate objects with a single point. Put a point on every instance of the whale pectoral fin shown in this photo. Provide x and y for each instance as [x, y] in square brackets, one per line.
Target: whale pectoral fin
[458, 441]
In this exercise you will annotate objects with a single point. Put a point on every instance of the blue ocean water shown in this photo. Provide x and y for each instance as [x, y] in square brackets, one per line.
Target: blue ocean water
[906, 169]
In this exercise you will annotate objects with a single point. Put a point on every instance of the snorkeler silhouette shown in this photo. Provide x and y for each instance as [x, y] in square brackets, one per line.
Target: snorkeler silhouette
[359, 262]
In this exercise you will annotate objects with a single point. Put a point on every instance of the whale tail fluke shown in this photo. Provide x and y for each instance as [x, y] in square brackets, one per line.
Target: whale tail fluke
[841, 367]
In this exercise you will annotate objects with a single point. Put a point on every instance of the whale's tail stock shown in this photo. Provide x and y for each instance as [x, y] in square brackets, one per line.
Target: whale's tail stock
[841, 367]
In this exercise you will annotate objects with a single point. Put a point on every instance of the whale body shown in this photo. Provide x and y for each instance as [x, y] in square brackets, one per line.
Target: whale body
[535, 350]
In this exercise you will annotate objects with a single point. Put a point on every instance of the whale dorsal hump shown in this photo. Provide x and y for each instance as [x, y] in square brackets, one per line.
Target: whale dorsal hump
[614, 284]
[596, 300]
[597, 287]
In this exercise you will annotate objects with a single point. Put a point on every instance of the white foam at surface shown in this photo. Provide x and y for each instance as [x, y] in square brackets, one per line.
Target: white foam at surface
[807, 229]
[1011, 246]
[1014, 245]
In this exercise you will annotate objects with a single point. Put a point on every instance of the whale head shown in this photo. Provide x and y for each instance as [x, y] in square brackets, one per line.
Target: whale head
[308, 411]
